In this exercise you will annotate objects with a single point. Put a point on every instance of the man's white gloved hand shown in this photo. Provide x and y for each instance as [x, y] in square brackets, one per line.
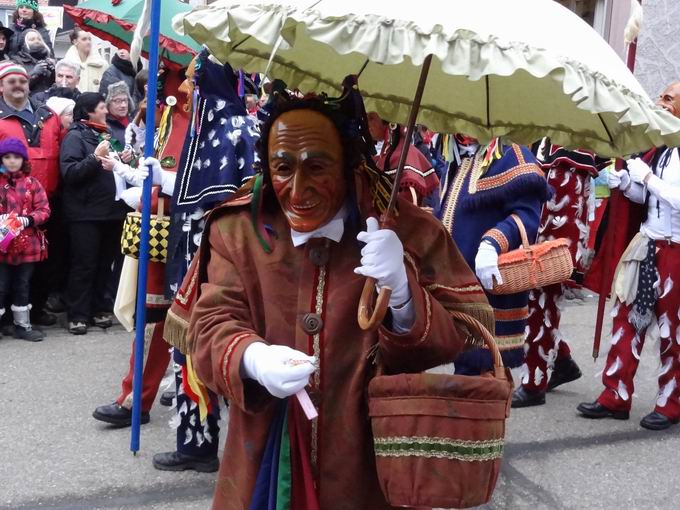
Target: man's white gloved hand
[486, 265]
[383, 259]
[618, 179]
[281, 370]
[638, 170]
[156, 170]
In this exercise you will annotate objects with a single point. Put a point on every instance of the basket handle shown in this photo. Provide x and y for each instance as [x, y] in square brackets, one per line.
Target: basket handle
[522, 231]
[478, 327]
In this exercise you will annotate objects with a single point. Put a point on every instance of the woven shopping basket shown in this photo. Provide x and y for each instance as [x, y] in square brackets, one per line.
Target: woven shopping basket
[533, 265]
[439, 439]
[158, 239]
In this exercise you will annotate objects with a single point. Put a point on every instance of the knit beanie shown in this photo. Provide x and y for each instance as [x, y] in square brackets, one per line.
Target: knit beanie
[59, 104]
[13, 145]
[119, 88]
[10, 68]
[32, 4]
[86, 103]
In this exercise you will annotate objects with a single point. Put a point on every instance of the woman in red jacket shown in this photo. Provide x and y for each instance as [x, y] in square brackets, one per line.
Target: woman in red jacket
[23, 197]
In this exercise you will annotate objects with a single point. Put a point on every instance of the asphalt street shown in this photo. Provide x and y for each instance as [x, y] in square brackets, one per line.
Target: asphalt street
[54, 455]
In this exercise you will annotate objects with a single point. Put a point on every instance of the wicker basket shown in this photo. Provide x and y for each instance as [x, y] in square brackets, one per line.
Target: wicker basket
[533, 266]
[439, 439]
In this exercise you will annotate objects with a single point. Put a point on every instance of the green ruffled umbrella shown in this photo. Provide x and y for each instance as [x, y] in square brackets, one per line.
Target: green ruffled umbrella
[115, 21]
[520, 69]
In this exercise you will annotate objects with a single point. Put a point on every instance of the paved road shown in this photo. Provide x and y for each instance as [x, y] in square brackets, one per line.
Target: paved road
[55, 456]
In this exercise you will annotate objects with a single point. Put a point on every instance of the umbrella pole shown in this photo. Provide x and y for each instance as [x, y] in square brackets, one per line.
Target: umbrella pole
[369, 317]
[140, 312]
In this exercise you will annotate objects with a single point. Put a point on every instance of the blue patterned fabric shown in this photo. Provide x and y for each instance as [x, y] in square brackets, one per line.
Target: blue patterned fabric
[476, 206]
[217, 158]
[220, 155]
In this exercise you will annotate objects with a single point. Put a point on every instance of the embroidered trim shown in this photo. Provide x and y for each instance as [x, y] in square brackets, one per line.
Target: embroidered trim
[469, 289]
[509, 341]
[226, 359]
[319, 309]
[413, 169]
[409, 258]
[440, 448]
[504, 178]
[512, 314]
[518, 154]
[498, 236]
[454, 194]
[183, 297]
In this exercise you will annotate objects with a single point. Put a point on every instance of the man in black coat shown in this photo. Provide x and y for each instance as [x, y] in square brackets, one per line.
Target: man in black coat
[121, 70]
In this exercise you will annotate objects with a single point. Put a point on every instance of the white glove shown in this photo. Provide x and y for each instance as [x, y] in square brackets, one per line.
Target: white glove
[383, 259]
[618, 179]
[486, 265]
[281, 370]
[638, 170]
[156, 170]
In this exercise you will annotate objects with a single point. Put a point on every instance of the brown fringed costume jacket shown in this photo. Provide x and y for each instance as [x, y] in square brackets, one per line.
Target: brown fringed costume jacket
[307, 298]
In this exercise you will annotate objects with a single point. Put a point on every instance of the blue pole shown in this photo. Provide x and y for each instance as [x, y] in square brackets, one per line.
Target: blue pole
[140, 313]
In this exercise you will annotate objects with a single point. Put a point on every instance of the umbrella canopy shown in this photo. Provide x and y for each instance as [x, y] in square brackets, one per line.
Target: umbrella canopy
[522, 70]
[116, 24]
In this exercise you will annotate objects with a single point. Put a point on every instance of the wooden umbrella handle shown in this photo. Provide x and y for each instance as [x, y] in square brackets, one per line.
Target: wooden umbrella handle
[370, 317]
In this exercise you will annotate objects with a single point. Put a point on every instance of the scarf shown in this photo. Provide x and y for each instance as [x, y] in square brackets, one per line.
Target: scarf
[124, 66]
[101, 128]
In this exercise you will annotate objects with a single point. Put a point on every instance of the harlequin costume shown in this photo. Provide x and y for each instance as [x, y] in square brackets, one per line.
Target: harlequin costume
[646, 301]
[171, 133]
[253, 285]
[217, 157]
[565, 215]
[479, 195]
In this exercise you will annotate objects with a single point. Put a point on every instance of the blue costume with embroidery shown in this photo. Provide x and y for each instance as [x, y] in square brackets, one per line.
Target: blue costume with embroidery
[480, 192]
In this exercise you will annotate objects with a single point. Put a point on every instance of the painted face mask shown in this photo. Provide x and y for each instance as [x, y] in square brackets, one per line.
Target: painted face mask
[307, 168]
[670, 99]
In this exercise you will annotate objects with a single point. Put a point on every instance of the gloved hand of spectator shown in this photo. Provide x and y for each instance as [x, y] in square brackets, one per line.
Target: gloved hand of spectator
[638, 170]
[281, 370]
[41, 69]
[618, 179]
[383, 259]
[486, 265]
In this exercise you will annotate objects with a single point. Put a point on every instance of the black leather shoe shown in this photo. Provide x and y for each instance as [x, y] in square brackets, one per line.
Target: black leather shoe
[566, 370]
[175, 461]
[525, 398]
[656, 421]
[596, 411]
[43, 318]
[117, 415]
[167, 397]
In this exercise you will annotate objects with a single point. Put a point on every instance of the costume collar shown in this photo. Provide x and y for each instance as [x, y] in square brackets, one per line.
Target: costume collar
[332, 230]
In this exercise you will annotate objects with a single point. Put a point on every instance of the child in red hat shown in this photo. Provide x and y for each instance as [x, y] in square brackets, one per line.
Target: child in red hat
[23, 201]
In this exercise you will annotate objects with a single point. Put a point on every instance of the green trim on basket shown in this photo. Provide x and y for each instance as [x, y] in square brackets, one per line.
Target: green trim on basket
[440, 448]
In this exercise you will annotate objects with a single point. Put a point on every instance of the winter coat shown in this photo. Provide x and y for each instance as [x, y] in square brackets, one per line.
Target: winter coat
[40, 70]
[17, 40]
[117, 129]
[89, 190]
[25, 196]
[92, 69]
[42, 139]
[120, 70]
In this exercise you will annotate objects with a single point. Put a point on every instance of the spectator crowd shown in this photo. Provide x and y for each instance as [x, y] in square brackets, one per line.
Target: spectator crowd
[63, 126]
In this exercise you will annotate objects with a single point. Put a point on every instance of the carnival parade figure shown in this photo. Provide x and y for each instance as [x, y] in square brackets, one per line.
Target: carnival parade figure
[483, 189]
[565, 216]
[217, 157]
[275, 293]
[645, 287]
[419, 182]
